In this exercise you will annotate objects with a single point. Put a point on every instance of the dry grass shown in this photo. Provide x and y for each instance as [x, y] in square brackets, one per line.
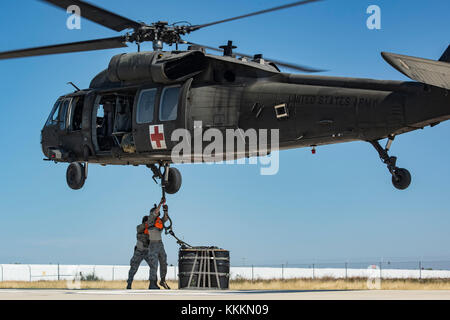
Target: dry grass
[293, 284]
[340, 284]
[84, 285]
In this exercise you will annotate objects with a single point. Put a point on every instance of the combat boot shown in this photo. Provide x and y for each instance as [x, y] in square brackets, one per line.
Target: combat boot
[164, 284]
[153, 285]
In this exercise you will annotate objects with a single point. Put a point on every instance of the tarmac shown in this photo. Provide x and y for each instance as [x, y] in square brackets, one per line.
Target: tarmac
[91, 294]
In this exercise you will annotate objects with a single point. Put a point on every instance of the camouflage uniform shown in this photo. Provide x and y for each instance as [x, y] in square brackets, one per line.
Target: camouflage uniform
[156, 248]
[157, 254]
[140, 252]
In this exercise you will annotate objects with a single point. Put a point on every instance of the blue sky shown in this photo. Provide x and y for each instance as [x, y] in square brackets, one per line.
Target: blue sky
[338, 204]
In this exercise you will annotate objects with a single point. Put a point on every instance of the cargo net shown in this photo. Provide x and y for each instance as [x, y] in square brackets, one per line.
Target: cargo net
[203, 268]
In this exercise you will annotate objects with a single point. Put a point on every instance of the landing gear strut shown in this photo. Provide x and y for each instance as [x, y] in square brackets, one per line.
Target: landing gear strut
[170, 178]
[401, 178]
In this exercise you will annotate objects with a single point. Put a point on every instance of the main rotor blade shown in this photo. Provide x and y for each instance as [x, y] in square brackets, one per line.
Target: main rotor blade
[277, 62]
[298, 3]
[98, 44]
[96, 14]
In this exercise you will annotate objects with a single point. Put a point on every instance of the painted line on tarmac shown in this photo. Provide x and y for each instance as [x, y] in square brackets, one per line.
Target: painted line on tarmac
[174, 292]
[162, 292]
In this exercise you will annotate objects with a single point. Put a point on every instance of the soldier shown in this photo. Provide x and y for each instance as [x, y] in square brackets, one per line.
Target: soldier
[156, 247]
[140, 250]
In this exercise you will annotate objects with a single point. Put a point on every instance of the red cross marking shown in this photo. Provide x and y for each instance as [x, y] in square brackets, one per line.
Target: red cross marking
[157, 137]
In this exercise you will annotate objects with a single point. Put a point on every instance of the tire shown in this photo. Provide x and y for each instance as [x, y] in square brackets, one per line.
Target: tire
[174, 183]
[75, 176]
[402, 179]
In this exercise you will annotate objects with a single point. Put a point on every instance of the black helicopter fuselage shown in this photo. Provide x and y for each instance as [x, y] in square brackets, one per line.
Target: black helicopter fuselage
[128, 98]
[157, 108]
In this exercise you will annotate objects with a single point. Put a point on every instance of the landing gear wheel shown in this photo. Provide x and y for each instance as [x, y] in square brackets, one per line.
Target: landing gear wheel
[174, 181]
[401, 178]
[75, 175]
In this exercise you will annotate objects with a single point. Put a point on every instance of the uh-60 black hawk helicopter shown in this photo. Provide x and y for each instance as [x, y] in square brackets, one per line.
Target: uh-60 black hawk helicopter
[131, 108]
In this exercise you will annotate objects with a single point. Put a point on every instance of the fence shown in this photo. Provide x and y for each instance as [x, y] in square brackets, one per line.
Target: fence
[341, 270]
[35, 272]
[383, 270]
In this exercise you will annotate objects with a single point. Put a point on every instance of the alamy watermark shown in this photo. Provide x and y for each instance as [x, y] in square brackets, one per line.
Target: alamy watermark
[74, 20]
[374, 278]
[230, 146]
[374, 20]
[75, 282]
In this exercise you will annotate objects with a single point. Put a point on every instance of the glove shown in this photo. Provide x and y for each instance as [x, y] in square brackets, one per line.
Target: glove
[165, 207]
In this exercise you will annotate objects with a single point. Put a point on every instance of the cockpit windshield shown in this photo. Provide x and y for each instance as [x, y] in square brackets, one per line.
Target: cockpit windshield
[53, 117]
[58, 114]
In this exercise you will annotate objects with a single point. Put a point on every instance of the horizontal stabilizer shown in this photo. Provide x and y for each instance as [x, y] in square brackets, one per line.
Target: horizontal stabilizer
[436, 73]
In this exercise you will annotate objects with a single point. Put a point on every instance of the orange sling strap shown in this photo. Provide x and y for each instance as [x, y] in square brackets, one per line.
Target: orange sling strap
[158, 223]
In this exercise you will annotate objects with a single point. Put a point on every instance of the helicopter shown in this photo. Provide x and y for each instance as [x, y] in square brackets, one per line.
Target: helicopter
[130, 109]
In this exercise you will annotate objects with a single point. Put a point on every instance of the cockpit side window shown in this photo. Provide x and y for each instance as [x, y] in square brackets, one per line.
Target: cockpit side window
[62, 114]
[169, 104]
[76, 115]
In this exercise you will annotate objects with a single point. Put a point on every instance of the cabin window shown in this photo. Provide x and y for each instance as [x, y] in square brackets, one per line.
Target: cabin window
[169, 104]
[146, 106]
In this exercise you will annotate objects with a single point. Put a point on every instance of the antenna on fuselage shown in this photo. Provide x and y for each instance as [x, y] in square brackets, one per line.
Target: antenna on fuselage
[76, 88]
